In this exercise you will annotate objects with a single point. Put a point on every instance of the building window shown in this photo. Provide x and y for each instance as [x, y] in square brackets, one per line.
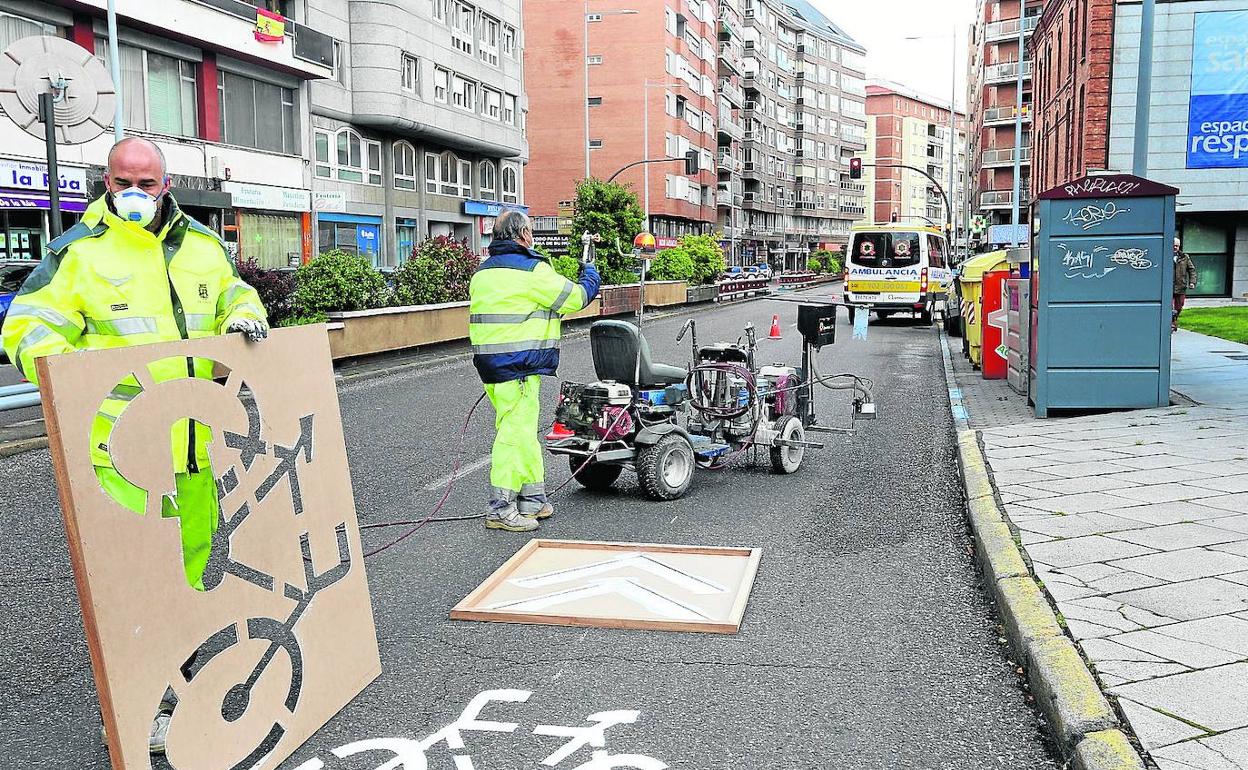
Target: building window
[464, 93]
[596, 59]
[404, 166]
[487, 178]
[493, 107]
[463, 27]
[595, 144]
[594, 17]
[509, 109]
[511, 185]
[160, 90]
[347, 157]
[257, 114]
[489, 39]
[509, 41]
[443, 10]
[595, 101]
[339, 65]
[446, 174]
[14, 28]
[441, 84]
[411, 74]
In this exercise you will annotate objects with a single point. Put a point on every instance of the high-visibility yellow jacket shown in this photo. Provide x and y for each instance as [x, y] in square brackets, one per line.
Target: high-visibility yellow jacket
[516, 301]
[108, 283]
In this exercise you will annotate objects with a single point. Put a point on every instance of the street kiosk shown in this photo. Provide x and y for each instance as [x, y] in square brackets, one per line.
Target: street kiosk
[1101, 288]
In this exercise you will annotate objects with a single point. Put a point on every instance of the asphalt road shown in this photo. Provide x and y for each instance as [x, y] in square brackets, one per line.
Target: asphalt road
[867, 642]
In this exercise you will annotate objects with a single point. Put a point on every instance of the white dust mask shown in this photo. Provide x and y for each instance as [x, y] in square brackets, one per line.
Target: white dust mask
[134, 205]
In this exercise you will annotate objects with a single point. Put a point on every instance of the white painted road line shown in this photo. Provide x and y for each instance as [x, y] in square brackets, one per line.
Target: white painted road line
[471, 467]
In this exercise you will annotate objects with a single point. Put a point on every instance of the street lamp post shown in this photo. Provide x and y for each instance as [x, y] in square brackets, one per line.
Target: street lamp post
[585, 66]
[1018, 125]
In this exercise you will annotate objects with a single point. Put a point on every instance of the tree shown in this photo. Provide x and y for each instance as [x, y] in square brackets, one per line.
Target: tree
[610, 211]
[672, 265]
[707, 256]
[566, 265]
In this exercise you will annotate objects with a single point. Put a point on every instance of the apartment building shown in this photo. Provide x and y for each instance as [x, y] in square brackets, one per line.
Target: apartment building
[1073, 48]
[419, 129]
[228, 111]
[805, 118]
[906, 128]
[645, 87]
[995, 59]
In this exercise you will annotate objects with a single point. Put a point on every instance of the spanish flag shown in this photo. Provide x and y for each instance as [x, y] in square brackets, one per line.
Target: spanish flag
[270, 27]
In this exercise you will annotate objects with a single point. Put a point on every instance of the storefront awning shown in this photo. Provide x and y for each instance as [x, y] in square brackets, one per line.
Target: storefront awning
[21, 200]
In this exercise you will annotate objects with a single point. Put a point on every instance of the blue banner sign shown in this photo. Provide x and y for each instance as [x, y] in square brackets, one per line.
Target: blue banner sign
[1217, 135]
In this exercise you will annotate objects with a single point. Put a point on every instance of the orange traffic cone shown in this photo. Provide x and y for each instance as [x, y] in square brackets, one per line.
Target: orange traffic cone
[775, 328]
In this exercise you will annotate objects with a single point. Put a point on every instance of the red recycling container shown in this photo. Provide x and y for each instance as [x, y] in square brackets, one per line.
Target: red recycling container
[996, 364]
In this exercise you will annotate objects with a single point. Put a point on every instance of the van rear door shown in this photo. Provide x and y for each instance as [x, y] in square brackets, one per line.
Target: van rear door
[886, 267]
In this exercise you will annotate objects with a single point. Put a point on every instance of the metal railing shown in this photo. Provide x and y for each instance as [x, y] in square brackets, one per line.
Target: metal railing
[995, 114]
[1009, 28]
[995, 157]
[1006, 71]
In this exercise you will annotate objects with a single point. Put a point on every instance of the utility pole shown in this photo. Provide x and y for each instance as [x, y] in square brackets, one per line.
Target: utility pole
[1018, 122]
[953, 94]
[1144, 88]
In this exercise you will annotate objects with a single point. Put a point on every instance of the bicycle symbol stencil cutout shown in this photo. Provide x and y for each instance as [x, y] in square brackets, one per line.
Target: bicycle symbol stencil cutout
[281, 636]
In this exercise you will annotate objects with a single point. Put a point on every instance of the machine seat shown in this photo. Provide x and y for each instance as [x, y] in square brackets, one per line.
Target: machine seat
[615, 345]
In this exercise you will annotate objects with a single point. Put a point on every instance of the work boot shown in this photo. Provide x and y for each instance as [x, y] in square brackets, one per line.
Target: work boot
[160, 729]
[545, 512]
[509, 519]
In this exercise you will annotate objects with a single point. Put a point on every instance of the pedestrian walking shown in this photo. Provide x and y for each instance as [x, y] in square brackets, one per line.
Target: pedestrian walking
[516, 303]
[1184, 281]
[135, 270]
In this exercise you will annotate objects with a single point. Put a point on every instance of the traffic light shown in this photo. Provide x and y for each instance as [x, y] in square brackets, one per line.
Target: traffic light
[855, 168]
[692, 165]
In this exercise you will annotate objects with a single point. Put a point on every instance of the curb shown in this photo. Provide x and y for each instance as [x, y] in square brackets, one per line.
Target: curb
[1086, 728]
[10, 448]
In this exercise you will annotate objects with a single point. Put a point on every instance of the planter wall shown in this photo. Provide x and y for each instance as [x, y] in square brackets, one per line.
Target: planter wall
[364, 332]
[620, 299]
[666, 293]
[706, 293]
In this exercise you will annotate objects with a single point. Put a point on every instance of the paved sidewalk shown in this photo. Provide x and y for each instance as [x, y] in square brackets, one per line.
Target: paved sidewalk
[1136, 523]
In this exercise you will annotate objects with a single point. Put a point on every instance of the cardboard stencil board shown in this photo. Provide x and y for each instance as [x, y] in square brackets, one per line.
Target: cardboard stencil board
[283, 636]
[618, 585]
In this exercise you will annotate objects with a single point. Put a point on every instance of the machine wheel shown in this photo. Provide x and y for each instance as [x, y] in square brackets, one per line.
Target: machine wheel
[665, 469]
[596, 476]
[785, 459]
[925, 317]
[883, 314]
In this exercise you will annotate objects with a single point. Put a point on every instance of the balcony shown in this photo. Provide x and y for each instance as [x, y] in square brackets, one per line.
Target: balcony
[1004, 30]
[732, 92]
[730, 127]
[857, 209]
[228, 25]
[1004, 157]
[726, 162]
[1002, 73]
[854, 187]
[733, 54]
[1001, 199]
[1004, 115]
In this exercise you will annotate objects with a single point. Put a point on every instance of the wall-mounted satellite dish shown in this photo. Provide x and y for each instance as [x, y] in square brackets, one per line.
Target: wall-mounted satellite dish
[39, 65]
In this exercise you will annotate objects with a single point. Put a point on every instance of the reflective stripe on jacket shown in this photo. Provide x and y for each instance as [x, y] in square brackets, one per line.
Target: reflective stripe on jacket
[516, 302]
[108, 283]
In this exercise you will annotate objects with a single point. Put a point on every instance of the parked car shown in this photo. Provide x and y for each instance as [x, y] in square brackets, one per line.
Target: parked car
[751, 271]
[734, 273]
[764, 270]
[12, 273]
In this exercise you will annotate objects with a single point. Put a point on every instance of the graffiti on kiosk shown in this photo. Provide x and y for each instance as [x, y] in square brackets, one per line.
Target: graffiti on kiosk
[1136, 259]
[1092, 216]
[1082, 264]
[1102, 186]
[590, 741]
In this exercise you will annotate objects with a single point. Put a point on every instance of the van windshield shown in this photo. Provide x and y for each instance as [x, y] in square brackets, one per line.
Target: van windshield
[886, 249]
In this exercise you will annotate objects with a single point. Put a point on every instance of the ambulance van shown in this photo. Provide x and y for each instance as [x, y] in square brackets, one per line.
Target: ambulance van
[897, 268]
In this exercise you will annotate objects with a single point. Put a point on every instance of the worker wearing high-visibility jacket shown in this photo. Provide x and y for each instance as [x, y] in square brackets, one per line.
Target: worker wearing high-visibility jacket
[136, 270]
[517, 300]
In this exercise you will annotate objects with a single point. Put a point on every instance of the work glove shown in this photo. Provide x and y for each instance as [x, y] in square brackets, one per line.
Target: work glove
[253, 330]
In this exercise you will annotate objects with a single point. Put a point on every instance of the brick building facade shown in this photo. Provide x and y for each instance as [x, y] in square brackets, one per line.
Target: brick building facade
[1073, 47]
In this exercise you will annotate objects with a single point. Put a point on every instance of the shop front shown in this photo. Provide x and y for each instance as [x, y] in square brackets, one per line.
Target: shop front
[486, 212]
[353, 233]
[268, 224]
[24, 205]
